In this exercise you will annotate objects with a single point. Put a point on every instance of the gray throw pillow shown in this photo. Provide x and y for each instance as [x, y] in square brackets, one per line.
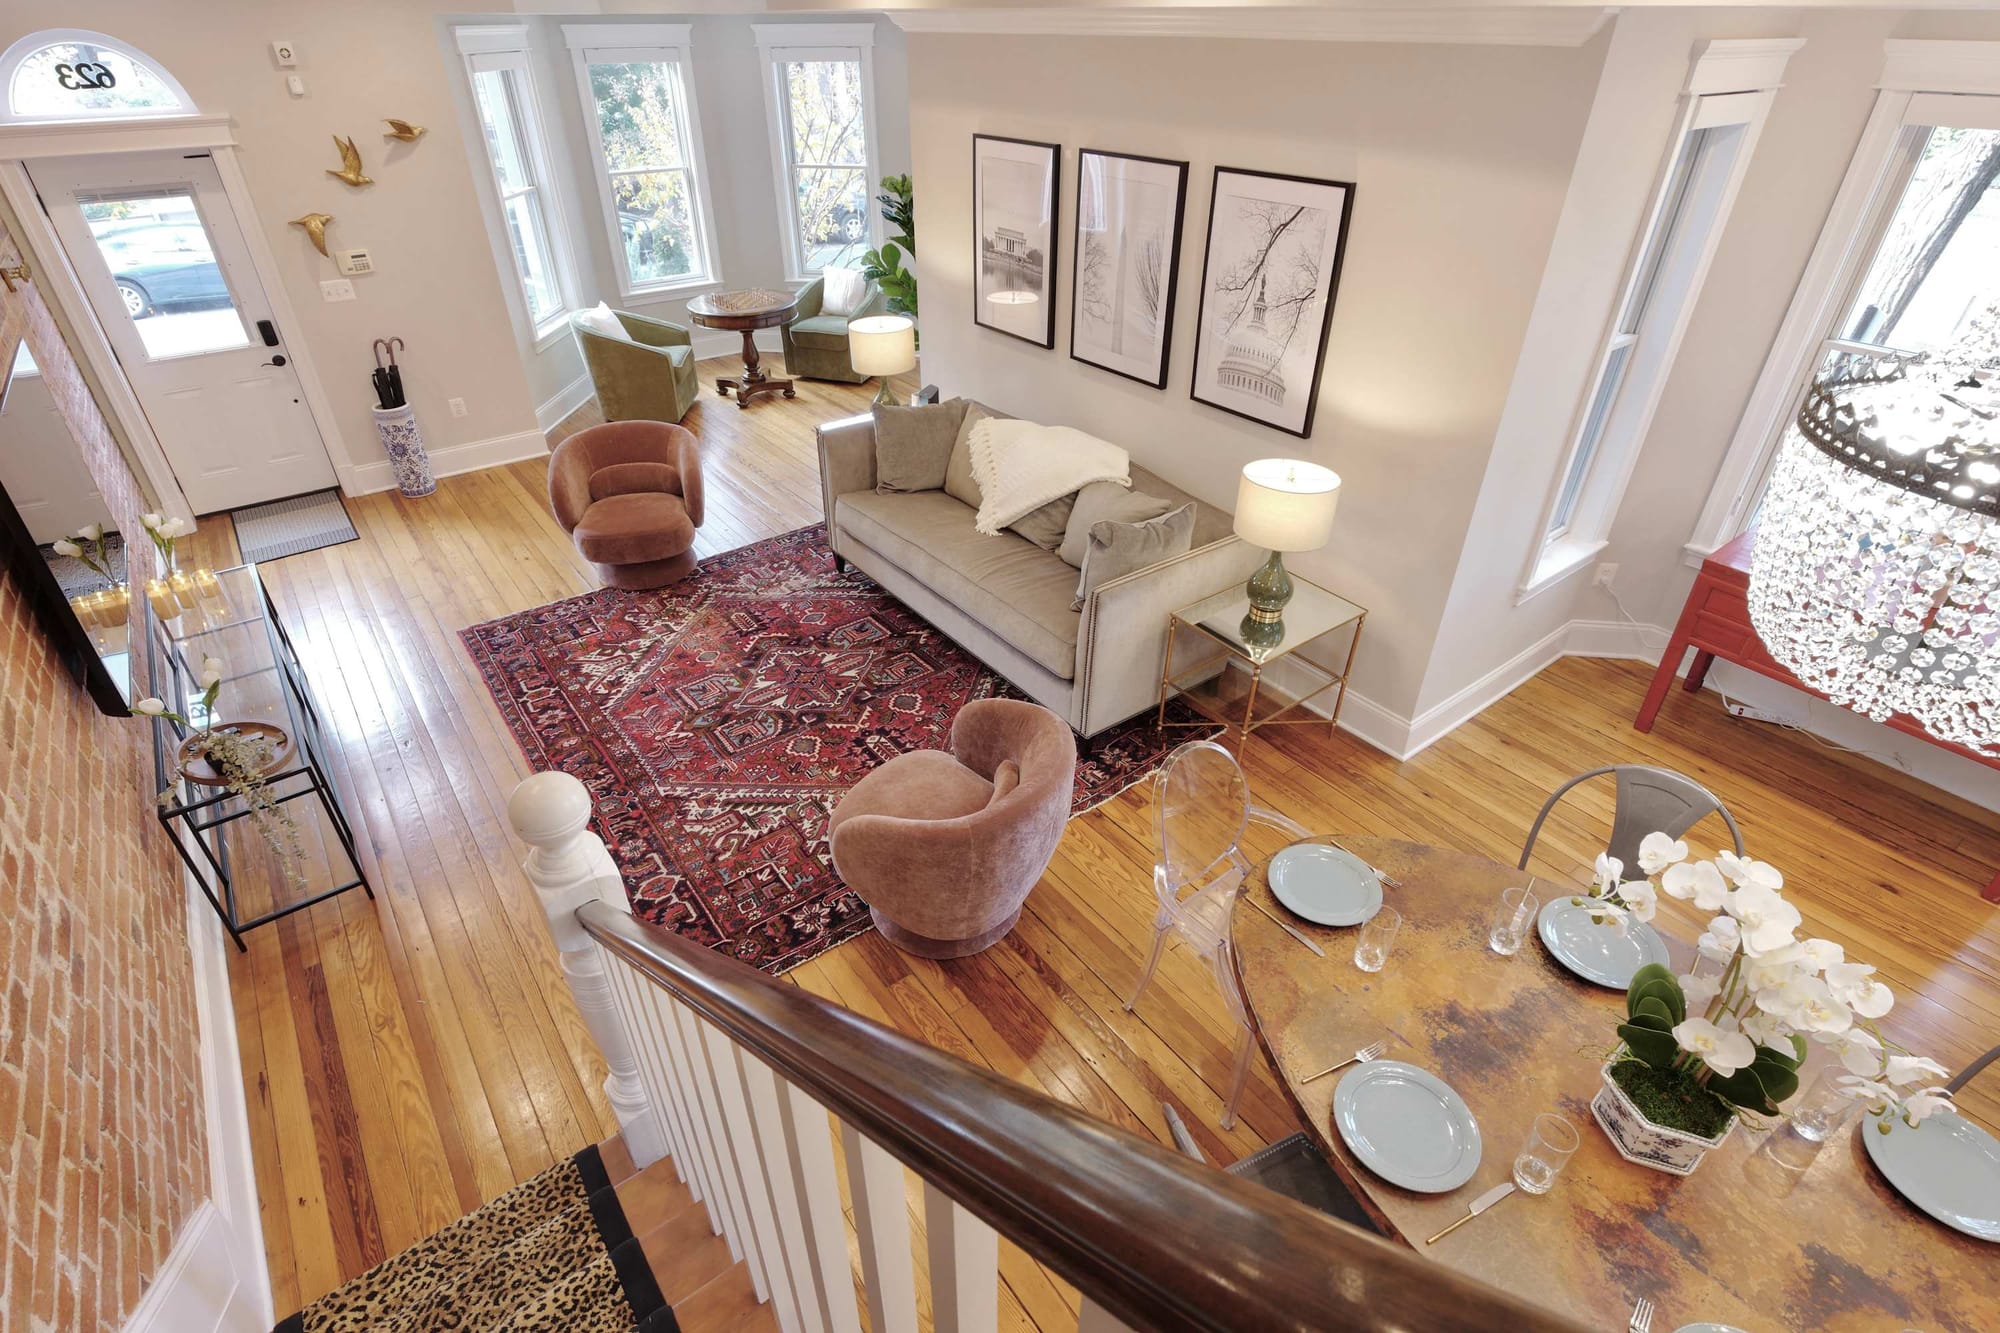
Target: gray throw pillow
[959, 483]
[1046, 527]
[1116, 549]
[1100, 502]
[913, 444]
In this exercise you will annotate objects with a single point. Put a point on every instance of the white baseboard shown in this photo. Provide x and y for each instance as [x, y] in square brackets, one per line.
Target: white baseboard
[215, 1279]
[450, 461]
[570, 397]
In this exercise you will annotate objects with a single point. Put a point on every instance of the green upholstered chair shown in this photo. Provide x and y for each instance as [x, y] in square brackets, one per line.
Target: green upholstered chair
[816, 343]
[650, 378]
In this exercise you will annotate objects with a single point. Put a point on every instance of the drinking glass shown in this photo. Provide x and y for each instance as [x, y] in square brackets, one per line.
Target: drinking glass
[1824, 1107]
[1511, 919]
[1371, 948]
[1548, 1149]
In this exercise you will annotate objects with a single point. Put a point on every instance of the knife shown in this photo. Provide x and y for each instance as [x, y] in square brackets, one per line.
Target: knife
[1479, 1205]
[1288, 928]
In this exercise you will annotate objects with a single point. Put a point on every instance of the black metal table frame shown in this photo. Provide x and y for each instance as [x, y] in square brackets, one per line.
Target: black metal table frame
[182, 818]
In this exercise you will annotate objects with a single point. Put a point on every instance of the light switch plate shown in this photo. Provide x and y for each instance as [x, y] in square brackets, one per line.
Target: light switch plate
[353, 262]
[336, 289]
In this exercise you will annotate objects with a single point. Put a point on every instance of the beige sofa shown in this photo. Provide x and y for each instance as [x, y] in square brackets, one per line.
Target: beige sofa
[1007, 601]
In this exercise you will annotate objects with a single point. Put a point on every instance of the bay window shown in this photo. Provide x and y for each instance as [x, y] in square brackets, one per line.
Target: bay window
[821, 99]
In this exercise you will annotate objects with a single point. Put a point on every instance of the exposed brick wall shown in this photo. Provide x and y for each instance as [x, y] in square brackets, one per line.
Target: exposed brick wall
[101, 1129]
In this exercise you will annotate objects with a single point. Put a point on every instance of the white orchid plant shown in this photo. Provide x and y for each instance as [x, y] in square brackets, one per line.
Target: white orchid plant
[86, 546]
[1738, 1024]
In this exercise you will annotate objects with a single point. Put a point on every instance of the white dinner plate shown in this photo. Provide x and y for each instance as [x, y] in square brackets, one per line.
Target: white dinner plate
[1407, 1126]
[1946, 1165]
[1708, 1328]
[1597, 953]
[1325, 885]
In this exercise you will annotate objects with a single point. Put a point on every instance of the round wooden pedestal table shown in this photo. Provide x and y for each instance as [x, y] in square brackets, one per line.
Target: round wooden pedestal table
[746, 312]
[1755, 1238]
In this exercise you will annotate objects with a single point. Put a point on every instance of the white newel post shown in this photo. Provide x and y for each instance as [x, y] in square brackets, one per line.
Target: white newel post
[569, 866]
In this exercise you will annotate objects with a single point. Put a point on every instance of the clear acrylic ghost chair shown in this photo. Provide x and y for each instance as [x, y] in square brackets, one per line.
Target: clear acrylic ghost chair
[1648, 799]
[1203, 806]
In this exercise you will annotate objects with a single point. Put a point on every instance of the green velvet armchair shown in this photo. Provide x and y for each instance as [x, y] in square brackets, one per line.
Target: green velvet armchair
[816, 343]
[650, 378]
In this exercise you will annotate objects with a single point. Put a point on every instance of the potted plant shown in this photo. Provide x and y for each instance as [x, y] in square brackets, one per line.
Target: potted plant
[1701, 1050]
[885, 265]
[237, 756]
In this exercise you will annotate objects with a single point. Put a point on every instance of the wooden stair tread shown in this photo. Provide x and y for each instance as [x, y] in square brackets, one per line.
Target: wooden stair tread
[726, 1304]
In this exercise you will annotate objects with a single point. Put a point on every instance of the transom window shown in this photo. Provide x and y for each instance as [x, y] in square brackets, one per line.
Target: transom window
[646, 142]
[822, 99]
[73, 74]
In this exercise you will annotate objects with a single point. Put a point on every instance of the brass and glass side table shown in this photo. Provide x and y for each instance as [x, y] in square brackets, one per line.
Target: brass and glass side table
[1314, 622]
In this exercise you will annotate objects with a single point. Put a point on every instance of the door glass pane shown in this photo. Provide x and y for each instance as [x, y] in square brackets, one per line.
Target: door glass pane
[824, 97]
[166, 272]
[1935, 279]
[833, 217]
[656, 225]
[530, 242]
[491, 91]
[638, 115]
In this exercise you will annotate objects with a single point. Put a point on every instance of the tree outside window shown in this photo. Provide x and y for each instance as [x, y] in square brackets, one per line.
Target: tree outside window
[827, 145]
[647, 156]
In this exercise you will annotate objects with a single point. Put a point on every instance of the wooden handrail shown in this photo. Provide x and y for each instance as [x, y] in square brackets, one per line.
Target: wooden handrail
[1157, 1240]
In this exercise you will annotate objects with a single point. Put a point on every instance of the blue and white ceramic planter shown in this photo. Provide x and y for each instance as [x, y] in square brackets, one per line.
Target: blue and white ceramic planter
[1638, 1139]
[404, 444]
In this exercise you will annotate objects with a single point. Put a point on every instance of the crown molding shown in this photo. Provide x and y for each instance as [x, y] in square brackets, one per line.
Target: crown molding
[1742, 65]
[1476, 27]
[1940, 67]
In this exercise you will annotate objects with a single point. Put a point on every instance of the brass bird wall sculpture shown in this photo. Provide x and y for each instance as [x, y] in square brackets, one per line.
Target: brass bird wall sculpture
[402, 129]
[315, 225]
[350, 164]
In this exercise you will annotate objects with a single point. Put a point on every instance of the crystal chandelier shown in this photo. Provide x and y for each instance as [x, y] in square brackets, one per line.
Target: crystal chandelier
[1876, 575]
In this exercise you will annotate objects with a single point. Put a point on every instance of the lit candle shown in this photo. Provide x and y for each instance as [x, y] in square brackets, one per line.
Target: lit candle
[210, 590]
[183, 584]
[161, 595]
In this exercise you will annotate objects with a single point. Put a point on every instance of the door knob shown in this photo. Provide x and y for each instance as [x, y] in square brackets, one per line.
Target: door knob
[17, 273]
[275, 361]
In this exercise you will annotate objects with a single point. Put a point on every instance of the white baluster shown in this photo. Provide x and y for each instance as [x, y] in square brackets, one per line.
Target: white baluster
[765, 1090]
[728, 1193]
[809, 1144]
[640, 1002]
[676, 1027]
[569, 867]
[754, 1170]
[882, 1226]
[965, 1266]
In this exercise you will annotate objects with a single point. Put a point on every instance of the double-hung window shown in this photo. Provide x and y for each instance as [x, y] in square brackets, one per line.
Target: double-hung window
[820, 85]
[1668, 262]
[503, 96]
[645, 139]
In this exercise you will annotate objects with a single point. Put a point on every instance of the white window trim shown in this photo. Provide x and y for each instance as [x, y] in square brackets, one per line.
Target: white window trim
[1732, 83]
[660, 43]
[778, 43]
[505, 46]
[1923, 83]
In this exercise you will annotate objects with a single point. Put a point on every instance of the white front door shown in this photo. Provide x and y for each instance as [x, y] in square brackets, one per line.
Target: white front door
[164, 264]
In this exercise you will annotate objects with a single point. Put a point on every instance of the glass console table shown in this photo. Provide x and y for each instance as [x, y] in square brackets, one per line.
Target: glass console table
[250, 876]
[1313, 615]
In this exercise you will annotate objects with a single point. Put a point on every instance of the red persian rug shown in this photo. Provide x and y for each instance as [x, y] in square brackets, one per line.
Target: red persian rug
[717, 723]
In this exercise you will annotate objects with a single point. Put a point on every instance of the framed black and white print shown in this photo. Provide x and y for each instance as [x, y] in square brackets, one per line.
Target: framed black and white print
[1267, 285]
[1014, 224]
[1128, 251]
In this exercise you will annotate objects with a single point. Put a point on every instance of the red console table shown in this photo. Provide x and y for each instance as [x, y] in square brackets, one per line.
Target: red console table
[1715, 622]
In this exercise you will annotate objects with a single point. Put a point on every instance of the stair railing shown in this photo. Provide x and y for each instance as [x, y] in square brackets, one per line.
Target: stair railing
[734, 1075]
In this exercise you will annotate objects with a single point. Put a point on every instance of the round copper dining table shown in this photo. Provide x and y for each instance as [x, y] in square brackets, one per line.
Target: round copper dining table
[1761, 1236]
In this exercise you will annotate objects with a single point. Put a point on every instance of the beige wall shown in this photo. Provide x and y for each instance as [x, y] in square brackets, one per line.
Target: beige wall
[1460, 157]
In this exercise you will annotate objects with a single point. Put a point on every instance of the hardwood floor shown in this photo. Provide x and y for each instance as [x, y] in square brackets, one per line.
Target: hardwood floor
[409, 1058]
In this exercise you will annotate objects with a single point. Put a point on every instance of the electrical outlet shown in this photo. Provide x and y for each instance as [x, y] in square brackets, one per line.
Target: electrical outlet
[1745, 711]
[336, 289]
[1605, 573]
[457, 406]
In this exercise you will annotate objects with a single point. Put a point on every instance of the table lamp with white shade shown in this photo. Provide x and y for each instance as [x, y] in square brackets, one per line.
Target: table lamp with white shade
[882, 345]
[1282, 504]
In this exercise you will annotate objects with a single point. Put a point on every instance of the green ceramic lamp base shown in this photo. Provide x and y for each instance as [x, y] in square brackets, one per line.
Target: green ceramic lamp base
[1268, 590]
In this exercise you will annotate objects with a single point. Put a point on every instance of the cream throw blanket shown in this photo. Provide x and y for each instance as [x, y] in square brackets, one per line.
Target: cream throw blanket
[1021, 466]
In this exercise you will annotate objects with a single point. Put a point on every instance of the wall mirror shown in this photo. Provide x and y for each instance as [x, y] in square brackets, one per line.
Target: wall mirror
[81, 601]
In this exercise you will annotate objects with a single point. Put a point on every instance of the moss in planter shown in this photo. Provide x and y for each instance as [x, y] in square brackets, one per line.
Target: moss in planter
[1672, 1099]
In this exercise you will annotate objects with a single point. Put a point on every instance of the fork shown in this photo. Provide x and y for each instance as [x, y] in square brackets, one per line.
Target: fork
[1362, 1056]
[1380, 874]
[1642, 1317]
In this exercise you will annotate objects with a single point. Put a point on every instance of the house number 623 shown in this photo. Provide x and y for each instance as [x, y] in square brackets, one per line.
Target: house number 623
[89, 74]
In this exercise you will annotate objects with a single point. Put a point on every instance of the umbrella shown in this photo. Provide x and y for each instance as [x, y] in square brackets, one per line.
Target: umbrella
[396, 373]
[385, 389]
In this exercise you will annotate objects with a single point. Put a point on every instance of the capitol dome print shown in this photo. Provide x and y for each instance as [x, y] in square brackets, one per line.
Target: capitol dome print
[1251, 363]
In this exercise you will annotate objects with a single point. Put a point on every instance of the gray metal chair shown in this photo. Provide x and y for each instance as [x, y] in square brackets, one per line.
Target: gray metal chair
[1649, 799]
[1964, 1075]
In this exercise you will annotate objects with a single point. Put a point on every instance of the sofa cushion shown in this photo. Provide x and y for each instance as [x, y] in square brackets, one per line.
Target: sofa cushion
[913, 444]
[1006, 583]
[602, 320]
[923, 785]
[1117, 549]
[628, 529]
[959, 483]
[1102, 502]
[634, 479]
[843, 291]
[825, 333]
